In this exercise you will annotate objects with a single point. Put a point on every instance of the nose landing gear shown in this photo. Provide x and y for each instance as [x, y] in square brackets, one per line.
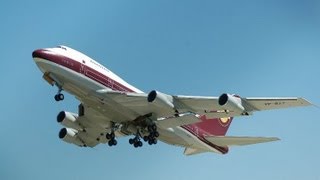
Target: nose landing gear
[59, 96]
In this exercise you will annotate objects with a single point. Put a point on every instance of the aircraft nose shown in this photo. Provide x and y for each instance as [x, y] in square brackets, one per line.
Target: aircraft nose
[39, 53]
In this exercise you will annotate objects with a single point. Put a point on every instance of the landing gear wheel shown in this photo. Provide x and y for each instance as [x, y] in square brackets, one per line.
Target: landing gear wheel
[145, 138]
[150, 142]
[155, 141]
[131, 141]
[136, 145]
[59, 97]
[56, 98]
[114, 142]
[139, 143]
[156, 134]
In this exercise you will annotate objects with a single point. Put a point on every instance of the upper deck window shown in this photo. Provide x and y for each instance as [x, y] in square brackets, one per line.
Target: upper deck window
[62, 47]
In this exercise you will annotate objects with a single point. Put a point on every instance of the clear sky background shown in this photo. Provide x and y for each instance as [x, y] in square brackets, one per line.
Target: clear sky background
[252, 48]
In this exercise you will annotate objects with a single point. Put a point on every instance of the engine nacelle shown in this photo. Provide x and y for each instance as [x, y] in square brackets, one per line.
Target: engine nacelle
[161, 99]
[69, 120]
[232, 103]
[69, 135]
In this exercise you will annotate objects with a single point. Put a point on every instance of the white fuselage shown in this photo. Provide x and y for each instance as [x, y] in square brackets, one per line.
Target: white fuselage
[79, 75]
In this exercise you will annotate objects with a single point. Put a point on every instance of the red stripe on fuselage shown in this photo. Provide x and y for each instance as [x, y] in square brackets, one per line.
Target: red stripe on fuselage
[106, 81]
[82, 69]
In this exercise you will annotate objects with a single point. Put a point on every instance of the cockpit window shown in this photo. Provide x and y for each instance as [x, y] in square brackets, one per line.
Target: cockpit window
[62, 47]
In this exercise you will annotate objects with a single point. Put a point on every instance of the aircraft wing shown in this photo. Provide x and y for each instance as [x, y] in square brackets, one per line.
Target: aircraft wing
[231, 105]
[229, 141]
[163, 105]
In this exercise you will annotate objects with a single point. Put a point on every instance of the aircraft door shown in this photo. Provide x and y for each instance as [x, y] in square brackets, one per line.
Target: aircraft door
[83, 69]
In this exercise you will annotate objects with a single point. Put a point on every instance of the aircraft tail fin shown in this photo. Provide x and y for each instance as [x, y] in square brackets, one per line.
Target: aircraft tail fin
[227, 141]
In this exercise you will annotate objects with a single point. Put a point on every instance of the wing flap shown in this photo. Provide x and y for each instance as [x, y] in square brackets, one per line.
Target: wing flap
[238, 141]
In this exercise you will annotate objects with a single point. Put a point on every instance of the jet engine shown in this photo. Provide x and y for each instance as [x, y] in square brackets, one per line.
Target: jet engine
[69, 120]
[232, 103]
[161, 99]
[69, 135]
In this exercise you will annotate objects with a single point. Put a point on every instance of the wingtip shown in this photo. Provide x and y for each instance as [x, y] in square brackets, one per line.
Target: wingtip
[275, 139]
[316, 106]
[305, 102]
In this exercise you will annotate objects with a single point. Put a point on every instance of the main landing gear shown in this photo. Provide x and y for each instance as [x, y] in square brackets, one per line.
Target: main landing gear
[151, 138]
[153, 135]
[136, 142]
[111, 136]
[112, 139]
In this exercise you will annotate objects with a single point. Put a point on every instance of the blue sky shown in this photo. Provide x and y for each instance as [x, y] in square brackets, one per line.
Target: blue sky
[252, 48]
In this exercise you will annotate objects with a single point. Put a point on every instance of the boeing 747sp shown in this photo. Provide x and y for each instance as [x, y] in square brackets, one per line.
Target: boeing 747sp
[111, 108]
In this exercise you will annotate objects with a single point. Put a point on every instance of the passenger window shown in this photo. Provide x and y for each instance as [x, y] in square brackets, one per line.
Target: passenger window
[61, 47]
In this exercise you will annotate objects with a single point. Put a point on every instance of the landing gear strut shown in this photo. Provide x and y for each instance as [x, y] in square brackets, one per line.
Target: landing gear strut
[112, 139]
[111, 136]
[59, 96]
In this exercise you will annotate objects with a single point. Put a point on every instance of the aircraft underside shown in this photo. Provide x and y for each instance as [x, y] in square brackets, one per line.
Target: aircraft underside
[142, 128]
[111, 108]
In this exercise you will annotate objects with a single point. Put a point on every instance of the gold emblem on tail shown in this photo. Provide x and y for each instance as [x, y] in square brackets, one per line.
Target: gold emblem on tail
[224, 121]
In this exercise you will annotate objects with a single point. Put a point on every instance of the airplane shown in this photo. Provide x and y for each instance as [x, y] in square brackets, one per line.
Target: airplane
[111, 108]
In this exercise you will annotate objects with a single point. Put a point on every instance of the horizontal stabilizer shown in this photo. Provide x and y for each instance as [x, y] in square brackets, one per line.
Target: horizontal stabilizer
[238, 141]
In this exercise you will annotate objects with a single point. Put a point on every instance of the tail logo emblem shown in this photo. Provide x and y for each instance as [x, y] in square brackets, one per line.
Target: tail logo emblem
[224, 121]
